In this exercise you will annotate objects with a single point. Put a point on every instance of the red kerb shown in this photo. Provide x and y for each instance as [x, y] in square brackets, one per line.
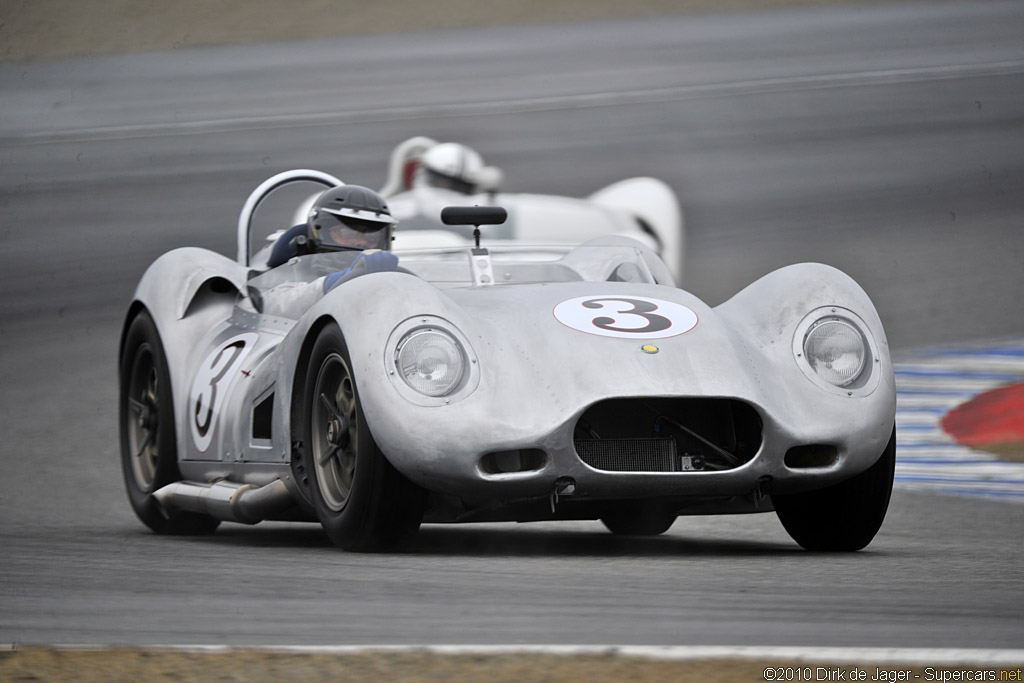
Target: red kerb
[996, 416]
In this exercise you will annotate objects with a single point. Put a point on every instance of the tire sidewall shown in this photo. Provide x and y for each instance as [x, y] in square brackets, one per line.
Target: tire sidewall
[845, 516]
[347, 524]
[142, 331]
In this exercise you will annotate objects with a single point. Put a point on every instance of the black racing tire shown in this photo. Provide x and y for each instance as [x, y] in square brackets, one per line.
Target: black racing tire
[843, 517]
[362, 501]
[638, 519]
[149, 450]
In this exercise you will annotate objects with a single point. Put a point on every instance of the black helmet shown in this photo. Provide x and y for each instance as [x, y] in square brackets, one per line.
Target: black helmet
[350, 217]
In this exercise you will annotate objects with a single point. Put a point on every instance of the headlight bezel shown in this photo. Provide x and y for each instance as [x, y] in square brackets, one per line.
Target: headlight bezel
[856, 360]
[411, 350]
[421, 324]
[866, 381]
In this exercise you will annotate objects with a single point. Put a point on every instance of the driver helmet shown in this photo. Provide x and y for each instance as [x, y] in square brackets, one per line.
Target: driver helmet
[350, 217]
[452, 166]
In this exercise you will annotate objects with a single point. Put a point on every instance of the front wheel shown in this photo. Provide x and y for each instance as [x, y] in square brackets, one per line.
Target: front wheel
[149, 452]
[844, 516]
[638, 519]
[362, 501]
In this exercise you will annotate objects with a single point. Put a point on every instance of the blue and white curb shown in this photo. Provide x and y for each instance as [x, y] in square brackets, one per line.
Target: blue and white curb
[929, 384]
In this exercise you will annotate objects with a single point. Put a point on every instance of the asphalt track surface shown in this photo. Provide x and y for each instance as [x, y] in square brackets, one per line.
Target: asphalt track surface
[885, 140]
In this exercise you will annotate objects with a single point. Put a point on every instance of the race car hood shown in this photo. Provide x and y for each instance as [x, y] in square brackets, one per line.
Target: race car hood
[537, 362]
[582, 339]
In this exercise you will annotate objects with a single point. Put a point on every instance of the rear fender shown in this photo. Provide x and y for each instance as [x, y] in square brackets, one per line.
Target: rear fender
[187, 292]
[656, 208]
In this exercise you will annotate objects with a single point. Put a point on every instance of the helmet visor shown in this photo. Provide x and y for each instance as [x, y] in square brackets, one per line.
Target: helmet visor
[447, 182]
[335, 232]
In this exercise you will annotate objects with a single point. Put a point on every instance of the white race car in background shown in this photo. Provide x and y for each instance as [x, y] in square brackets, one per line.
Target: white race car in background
[645, 209]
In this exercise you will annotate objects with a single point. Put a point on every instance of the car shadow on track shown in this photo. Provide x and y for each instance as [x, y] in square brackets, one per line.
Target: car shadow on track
[468, 541]
[512, 540]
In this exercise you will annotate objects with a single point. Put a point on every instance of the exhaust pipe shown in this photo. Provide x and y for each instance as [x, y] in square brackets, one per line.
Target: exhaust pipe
[226, 500]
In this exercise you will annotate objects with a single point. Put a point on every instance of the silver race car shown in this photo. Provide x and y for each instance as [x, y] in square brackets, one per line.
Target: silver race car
[478, 383]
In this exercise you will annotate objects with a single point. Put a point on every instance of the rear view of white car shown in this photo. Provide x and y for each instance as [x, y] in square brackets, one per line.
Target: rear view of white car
[424, 176]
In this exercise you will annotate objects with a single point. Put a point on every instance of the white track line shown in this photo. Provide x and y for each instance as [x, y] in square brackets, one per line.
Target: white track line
[851, 655]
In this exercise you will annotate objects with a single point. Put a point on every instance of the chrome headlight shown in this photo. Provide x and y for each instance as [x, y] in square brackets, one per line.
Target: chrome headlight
[431, 361]
[836, 351]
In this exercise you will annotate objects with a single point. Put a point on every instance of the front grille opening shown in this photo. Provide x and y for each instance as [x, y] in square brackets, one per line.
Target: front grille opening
[506, 462]
[668, 435]
[628, 455]
[811, 456]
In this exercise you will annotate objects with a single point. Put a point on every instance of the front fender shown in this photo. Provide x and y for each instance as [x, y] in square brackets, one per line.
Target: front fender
[772, 315]
[367, 309]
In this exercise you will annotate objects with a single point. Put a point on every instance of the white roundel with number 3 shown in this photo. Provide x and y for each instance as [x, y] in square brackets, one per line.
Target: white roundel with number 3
[626, 317]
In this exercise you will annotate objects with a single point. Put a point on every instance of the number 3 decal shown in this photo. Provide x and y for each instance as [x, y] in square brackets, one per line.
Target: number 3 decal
[640, 309]
[626, 317]
[211, 382]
